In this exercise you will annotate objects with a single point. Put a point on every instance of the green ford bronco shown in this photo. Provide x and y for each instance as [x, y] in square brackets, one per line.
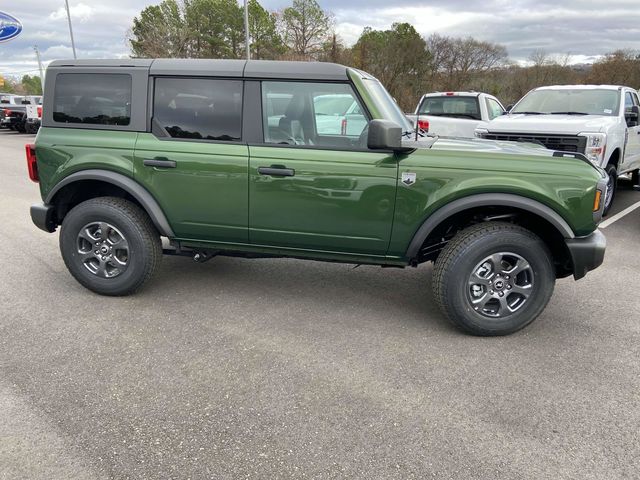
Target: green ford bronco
[304, 160]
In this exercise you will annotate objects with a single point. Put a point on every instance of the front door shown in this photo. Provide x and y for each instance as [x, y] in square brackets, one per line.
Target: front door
[632, 149]
[313, 184]
[193, 162]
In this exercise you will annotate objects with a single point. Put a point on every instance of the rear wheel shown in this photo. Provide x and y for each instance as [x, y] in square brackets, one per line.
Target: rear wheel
[493, 278]
[612, 186]
[110, 245]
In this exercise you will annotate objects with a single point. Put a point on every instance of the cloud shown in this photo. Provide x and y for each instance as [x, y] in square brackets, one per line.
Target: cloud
[79, 12]
[585, 29]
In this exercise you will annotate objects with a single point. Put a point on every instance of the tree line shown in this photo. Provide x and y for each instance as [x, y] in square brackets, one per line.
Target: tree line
[407, 63]
[27, 85]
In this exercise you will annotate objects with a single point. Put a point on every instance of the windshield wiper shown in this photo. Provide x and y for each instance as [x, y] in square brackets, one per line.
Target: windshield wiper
[528, 113]
[568, 113]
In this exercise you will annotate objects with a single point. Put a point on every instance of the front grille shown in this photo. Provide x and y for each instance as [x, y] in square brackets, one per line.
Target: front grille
[563, 143]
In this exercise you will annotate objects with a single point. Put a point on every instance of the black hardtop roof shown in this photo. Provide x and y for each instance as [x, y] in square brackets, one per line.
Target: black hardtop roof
[220, 68]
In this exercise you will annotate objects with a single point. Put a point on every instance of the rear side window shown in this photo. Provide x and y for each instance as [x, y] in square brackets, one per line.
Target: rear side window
[199, 108]
[92, 98]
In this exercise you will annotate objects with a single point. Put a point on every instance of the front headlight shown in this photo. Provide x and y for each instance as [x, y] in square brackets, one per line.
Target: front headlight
[480, 132]
[596, 146]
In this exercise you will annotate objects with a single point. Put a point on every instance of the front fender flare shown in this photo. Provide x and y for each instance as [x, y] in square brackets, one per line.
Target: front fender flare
[483, 200]
[133, 188]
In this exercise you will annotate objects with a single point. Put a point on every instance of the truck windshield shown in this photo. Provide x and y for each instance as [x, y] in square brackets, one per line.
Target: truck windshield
[571, 102]
[388, 107]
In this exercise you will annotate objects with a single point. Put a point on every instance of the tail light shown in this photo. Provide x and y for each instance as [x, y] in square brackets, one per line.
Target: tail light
[39, 112]
[423, 125]
[32, 164]
[343, 127]
[7, 112]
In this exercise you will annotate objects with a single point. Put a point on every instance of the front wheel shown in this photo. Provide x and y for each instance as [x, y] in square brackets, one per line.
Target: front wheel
[612, 186]
[110, 245]
[493, 278]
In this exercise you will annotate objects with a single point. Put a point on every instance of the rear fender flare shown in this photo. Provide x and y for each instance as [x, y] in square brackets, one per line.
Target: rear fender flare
[133, 188]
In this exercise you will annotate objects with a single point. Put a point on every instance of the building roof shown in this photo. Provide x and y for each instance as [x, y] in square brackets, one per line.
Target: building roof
[221, 68]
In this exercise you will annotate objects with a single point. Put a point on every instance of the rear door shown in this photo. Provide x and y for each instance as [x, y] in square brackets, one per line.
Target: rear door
[194, 162]
[313, 183]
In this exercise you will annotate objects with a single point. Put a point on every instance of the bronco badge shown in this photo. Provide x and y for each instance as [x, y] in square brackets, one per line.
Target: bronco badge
[408, 178]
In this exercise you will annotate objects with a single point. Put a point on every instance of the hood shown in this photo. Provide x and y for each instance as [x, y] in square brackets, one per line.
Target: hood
[559, 124]
[489, 146]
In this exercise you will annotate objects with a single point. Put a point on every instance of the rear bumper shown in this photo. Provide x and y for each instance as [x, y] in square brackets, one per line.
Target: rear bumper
[42, 216]
[587, 253]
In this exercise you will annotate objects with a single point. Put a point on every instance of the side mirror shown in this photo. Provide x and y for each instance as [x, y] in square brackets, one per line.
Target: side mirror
[632, 116]
[384, 135]
[509, 107]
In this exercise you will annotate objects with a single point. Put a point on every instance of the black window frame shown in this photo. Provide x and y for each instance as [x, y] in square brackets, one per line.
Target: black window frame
[109, 74]
[139, 89]
[160, 132]
[356, 94]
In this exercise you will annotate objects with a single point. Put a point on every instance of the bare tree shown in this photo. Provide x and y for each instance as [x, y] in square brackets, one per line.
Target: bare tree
[304, 27]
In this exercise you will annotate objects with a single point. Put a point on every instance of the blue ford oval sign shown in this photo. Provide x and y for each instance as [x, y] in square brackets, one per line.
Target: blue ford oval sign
[10, 27]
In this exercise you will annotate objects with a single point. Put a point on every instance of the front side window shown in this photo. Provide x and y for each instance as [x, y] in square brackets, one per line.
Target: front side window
[320, 114]
[451, 106]
[92, 98]
[494, 108]
[199, 108]
[630, 100]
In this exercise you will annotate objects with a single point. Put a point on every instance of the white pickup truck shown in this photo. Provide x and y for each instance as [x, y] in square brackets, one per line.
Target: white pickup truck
[599, 121]
[455, 114]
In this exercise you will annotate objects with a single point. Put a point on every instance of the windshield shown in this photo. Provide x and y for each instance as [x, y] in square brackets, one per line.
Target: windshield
[570, 101]
[388, 107]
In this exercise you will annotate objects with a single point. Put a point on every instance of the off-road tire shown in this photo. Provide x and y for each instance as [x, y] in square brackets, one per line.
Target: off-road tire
[144, 248]
[612, 171]
[457, 261]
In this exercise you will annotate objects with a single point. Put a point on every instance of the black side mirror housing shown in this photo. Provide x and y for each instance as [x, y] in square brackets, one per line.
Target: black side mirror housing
[632, 116]
[509, 107]
[385, 135]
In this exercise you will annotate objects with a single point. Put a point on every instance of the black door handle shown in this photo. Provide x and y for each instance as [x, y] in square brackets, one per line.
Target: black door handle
[159, 162]
[277, 171]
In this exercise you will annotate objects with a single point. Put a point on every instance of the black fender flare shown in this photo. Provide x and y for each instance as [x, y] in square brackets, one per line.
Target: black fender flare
[129, 185]
[483, 200]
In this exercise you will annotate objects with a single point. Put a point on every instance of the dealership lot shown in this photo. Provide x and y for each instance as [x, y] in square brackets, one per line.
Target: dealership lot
[289, 369]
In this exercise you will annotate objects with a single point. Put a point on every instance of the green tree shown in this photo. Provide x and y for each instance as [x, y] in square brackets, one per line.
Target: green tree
[398, 58]
[216, 28]
[304, 27]
[32, 85]
[266, 42]
[160, 31]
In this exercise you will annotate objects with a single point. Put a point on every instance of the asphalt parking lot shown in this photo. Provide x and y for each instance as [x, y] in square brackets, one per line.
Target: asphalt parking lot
[289, 369]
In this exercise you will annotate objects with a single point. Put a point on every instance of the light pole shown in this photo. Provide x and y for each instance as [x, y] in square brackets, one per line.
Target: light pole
[246, 29]
[35, 47]
[73, 44]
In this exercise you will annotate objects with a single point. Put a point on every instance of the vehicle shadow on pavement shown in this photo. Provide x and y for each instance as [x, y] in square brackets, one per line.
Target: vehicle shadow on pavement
[299, 283]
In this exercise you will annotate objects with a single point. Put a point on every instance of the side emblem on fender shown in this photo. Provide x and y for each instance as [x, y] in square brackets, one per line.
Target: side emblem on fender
[408, 178]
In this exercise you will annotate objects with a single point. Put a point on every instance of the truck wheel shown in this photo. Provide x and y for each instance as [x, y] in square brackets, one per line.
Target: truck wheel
[110, 245]
[493, 278]
[612, 187]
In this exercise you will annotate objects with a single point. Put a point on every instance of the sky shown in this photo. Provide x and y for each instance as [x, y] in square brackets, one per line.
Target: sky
[583, 29]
